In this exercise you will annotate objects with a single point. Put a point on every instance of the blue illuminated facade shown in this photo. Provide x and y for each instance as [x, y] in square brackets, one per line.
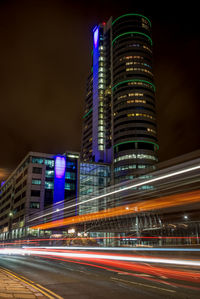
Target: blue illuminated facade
[100, 151]
[59, 179]
[96, 151]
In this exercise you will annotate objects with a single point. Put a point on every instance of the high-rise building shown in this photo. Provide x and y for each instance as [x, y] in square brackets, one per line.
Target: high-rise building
[119, 124]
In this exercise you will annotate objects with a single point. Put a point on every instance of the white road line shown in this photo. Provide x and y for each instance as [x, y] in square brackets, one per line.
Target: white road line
[142, 284]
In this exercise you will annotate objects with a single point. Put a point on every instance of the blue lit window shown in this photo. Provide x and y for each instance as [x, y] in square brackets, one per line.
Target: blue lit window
[37, 160]
[49, 162]
[70, 165]
[49, 185]
[69, 186]
[36, 182]
[34, 205]
[49, 173]
[70, 175]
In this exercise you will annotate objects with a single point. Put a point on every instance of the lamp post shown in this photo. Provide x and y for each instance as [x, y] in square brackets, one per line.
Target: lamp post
[10, 215]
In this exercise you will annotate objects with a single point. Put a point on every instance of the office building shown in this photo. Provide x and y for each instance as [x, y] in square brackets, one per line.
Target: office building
[119, 123]
[38, 182]
[43, 181]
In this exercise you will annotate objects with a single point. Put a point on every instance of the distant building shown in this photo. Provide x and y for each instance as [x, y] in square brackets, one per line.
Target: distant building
[119, 124]
[41, 181]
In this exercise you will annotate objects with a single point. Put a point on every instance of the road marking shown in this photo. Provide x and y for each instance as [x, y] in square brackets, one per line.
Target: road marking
[144, 275]
[142, 284]
[32, 284]
[55, 295]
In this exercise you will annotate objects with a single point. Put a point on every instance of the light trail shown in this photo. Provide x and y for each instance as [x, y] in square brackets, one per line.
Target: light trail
[78, 255]
[162, 177]
[143, 206]
[132, 264]
[114, 248]
[188, 276]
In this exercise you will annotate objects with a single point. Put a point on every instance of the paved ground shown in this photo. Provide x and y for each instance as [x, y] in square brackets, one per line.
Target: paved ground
[82, 281]
[15, 286]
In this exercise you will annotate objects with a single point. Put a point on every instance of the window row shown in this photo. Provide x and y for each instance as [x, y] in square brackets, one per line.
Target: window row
[131, 56]
[48, 162]
[140, 115]
[127, 167]
[133, 69]
[135, 156]
[132, 94]
[136, 62]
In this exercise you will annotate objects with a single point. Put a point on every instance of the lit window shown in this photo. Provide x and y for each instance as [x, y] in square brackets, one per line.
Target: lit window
[101, 75]
[37, 160]
[49, 185]
[101, 128]
[151, 130]
[49, 162]
[101, 86]
[100, 115]
[100, 141]
[101, 122]
[69, 186]
[34, 205]
[49, 173]
[101, 80]
[36, 182]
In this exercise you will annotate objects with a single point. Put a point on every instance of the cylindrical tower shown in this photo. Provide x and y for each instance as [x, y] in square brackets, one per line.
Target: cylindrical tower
[133, 97]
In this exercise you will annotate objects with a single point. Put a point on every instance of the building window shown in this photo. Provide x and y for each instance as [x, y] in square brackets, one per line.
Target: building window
[49, 173]
[37, 160]
[70, 165]
[35, 193]
[37, 170]
[49, 162]
[36, 182]
[49, 185]
[69, 186]
[48, 197]
[34, 205]
[125, 167]
[70, 175]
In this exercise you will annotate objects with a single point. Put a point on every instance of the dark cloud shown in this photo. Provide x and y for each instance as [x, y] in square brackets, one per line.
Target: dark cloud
[45, 59]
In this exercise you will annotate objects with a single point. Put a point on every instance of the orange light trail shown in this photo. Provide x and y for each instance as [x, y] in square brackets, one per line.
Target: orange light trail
[147, 205]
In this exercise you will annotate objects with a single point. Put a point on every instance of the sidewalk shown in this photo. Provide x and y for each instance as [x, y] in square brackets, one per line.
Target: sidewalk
[12, 286]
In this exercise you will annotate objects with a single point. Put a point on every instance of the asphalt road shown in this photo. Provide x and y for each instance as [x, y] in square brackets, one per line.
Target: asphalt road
[83, 281]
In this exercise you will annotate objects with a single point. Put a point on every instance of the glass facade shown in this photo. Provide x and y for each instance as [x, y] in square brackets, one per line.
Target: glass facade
[71, 176]
[93, 178]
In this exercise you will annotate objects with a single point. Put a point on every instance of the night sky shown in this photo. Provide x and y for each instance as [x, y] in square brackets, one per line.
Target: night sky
[45, 49]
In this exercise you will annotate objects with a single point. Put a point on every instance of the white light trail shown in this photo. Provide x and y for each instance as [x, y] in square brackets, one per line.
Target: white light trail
[113, 248]
[162, 177]
[10, 251]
